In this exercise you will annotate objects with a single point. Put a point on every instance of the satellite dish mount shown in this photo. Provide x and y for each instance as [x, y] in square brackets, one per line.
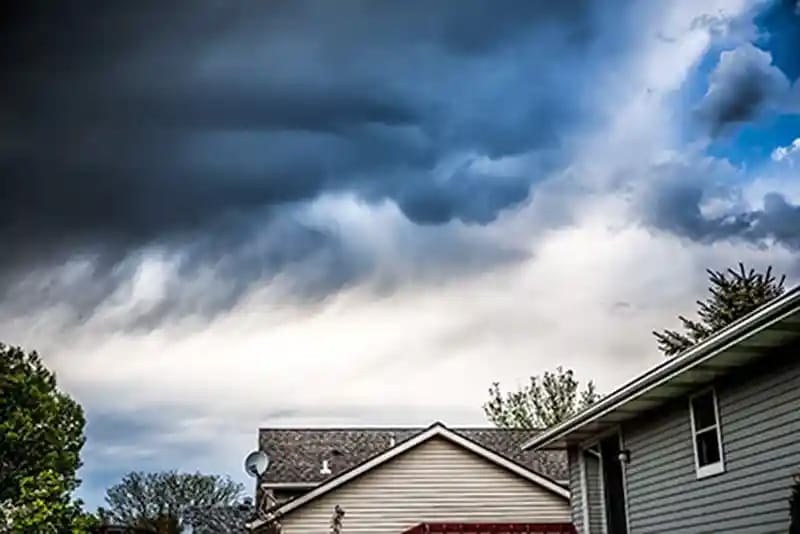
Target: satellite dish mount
[256, 463]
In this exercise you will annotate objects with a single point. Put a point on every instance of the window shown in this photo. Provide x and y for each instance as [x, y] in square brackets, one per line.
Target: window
[706, 437]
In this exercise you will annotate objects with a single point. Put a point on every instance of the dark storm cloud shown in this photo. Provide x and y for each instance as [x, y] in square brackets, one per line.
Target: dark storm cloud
[207, 274]
[125, 125]
[743, 84]
[103, 109]
[464, 192]
[675, 202]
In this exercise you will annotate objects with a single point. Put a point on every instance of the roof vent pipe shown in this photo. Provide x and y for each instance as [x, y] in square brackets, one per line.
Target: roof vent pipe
[325, 470]
[391, 440]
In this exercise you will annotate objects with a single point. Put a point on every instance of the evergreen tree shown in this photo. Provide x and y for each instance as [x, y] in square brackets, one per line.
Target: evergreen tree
[734, 294]
[546, 401]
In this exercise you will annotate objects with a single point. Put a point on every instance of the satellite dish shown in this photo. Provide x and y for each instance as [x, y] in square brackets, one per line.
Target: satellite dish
[256, 463]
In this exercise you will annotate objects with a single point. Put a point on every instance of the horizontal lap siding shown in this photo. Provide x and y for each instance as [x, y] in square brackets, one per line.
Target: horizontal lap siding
[436, 482]
[576, 494]
[760, 425]
[594, 494]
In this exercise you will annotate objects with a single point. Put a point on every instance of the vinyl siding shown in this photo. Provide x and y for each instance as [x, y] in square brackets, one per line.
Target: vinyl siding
[760, 426]
[436, 481]
[283, 495]
[576, 493]
[594, 494]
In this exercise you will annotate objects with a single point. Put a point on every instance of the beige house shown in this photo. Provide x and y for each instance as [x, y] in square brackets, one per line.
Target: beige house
[433, 475]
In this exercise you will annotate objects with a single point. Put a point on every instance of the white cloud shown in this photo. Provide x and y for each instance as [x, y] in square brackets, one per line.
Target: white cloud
[587, 298]
[786, 152]
[412, 343]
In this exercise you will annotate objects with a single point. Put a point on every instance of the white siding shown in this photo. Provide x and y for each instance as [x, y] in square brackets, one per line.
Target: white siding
[436, 481]
[575, 488]
[595, 501]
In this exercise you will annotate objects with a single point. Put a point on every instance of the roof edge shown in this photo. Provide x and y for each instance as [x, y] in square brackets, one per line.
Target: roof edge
[421, 428]
[434, 430]
[734, 333]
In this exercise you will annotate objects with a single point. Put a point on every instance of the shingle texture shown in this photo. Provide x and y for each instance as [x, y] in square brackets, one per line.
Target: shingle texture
[297, 454]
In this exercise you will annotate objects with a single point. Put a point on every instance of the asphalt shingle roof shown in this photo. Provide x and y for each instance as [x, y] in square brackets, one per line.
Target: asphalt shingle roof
[296, 454]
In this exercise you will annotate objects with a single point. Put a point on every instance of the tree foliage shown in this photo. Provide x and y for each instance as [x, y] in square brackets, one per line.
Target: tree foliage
[220, 519]
[41, 435]
[733, 294]
[337, 519]
[43, 506]
[545, 401]
[163, 501]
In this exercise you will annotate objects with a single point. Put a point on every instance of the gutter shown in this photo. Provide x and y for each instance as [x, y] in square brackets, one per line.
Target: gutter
[725, 338]
[290, 485]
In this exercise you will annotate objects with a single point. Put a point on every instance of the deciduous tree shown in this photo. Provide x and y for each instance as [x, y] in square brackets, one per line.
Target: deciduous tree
[545, 401]
[163, 501]
[41, 435]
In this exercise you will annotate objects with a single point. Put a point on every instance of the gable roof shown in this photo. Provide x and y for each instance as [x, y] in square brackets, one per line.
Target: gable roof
[435, 430]
[296, 454]
[752, 338]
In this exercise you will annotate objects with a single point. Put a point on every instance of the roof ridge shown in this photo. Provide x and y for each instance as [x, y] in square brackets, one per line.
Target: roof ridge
[499, 429]
[332, 428]
[435, 430]
[349, 428]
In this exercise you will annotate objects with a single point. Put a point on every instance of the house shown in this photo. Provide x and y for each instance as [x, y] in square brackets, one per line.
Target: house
[708, 441]
[391, 480]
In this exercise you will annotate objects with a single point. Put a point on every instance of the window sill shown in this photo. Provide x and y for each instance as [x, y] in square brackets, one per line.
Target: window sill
[710, 470]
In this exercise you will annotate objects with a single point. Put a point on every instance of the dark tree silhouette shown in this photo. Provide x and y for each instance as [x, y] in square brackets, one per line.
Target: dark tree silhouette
[165, 501]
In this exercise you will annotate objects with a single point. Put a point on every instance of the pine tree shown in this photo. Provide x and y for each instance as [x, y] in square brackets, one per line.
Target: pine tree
[734, 294]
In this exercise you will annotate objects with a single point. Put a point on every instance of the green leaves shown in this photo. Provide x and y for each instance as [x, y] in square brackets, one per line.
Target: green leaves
[734, 294]
[43, 504]
[546, 401]
[41, 435]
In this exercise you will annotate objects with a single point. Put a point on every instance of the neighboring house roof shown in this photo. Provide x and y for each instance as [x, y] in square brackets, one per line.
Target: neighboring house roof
[745, 341]
[435, 430]
[296, 454]
[492, 528]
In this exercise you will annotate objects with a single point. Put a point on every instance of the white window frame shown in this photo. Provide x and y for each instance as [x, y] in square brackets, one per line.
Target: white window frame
[717, 467]
[584, 489]
[583, 449]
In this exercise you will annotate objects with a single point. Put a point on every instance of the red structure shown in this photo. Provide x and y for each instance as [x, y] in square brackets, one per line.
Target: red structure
[492, 528]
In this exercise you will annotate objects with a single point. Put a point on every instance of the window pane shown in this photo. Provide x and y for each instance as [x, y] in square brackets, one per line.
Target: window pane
[707, 447]
[703, 406]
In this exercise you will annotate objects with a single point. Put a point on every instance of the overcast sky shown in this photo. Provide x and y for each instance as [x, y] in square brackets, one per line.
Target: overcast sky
[222, 215]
